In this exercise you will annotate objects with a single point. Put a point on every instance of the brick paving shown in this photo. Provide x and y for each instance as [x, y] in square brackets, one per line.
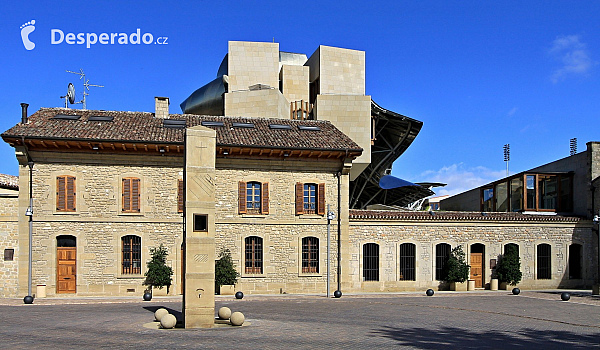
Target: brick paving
[481, 320]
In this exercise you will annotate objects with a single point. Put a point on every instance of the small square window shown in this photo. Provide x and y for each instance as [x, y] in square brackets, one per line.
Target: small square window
[9, 254]
[200, 222]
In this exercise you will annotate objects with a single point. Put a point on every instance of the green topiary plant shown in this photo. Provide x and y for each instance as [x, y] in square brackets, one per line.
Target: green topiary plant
[457, 269]
[509, 267]
[225, 272]
[158, 274]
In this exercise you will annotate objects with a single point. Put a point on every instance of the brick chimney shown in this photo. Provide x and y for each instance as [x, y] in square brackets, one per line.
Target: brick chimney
[161, 107]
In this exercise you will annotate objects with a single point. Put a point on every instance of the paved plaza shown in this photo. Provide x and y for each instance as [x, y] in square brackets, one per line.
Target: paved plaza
[468, 320]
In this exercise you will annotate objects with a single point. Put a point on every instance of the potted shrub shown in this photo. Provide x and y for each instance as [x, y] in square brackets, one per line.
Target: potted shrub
[508, 269]
[225, 274]
[457, 270]
[159, 274]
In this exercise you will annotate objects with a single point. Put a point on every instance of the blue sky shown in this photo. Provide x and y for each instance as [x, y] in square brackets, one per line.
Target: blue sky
[479, 74]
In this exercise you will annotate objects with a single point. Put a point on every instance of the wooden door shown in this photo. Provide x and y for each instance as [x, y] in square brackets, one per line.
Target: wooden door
[477, 269]
[66, 270]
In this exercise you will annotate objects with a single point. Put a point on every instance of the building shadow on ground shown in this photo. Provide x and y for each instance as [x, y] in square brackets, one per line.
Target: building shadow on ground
[458, 338]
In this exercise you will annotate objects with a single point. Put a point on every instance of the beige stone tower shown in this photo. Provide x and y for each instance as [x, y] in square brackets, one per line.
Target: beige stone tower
[199, 285]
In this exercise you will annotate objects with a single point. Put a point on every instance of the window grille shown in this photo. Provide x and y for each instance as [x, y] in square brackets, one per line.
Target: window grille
[254, 255]
[371, 262]
[132, 254]
[442, 253]
[544, 271]
[310, 255]
[407, 262]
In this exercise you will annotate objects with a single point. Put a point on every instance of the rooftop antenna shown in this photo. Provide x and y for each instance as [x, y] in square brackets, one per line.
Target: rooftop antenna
[573, 145]
[86, 86]
[507, 156]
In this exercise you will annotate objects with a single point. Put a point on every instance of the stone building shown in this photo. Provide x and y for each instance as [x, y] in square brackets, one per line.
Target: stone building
[252, 166]
[9, 234]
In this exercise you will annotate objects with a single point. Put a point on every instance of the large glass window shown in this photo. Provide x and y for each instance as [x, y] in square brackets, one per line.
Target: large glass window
[548, 189]
[488, 196]
[544, 267]
[501, 197]
[310, 255]
[442, 253]
[371, 262]
[516, 194]
[132, 254]
[407, 262]
[530, 180]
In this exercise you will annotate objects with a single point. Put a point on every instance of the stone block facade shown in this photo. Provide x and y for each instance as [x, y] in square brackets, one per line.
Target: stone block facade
[252, 63]
[389, 235]
[9, 240]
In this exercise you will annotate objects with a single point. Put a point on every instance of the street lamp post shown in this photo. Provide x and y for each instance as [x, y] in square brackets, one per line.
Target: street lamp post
[330, 216]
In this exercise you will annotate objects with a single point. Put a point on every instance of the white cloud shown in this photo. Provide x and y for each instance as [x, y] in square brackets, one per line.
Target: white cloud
[573, 55]
[512, 111]
[460, 178]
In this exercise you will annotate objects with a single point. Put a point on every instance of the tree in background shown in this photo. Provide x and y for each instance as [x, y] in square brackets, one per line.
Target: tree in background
[158, 274]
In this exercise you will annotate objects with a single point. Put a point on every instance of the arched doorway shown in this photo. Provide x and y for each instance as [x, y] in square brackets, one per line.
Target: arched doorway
[66, 264]
[477, 263]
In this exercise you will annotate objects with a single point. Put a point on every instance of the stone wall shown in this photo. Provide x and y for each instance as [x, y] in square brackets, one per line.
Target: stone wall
[9, 239]
[250, 63]
[390, 234]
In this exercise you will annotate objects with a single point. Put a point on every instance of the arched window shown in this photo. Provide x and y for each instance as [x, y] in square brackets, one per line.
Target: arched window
[131, 254]
[442, 253]
[310, 198]
[371, 262]
[407, 262]
[254, 255]
[310, 255]
[544, 262]
[253, 197]
[575, 261]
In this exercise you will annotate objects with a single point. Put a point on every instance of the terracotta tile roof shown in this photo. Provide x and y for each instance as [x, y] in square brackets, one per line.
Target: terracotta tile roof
[358, 215]
[144, 127]
[9, 181]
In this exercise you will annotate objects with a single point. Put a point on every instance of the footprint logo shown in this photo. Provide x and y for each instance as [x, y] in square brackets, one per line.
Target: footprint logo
[26, 29]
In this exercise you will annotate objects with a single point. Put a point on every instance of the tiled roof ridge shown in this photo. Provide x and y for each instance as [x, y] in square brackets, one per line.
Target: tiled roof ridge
[455, 216]
[9, 181]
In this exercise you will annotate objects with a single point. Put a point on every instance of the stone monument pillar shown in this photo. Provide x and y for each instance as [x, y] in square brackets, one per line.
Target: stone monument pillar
[199, 283]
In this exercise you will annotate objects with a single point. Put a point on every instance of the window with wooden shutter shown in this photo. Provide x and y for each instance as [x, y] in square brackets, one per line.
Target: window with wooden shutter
[321, 200]
[180, 196]
[65, 193]
[265, 198]
[131, 195]
[299, 198]
[242, 197]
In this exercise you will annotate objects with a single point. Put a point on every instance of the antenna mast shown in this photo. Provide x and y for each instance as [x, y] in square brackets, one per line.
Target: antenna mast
[86, 85]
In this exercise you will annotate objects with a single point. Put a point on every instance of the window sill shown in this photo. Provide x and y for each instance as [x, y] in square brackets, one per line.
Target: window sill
[130, 214]
[254, 216]
[249, 275]
[65, 213]
[311, 216]
[307, 274]
[130, 277]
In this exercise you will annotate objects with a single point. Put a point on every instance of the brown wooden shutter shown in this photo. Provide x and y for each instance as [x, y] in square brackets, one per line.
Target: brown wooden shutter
[321, 200]
[265, 198]
[135, 195]
[126, 195]
[242, 197]
[70, 193]
[180, 196]
[60, 193]
[299, 198]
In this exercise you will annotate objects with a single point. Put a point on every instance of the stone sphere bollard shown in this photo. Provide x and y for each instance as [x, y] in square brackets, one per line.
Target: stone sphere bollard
[224, 313]
[160, 313]
[147, 296]
[28, 299]
[565, 296]
[239, 295]
[516, 291]
[429, 292]
[337, 294]
[237, 319]
[168, 321]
